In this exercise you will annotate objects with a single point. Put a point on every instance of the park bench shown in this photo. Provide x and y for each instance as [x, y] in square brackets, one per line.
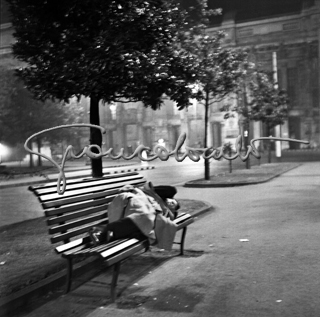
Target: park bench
[83, 205]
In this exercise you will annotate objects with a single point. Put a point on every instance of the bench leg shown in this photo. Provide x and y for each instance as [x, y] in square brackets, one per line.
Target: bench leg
[115, 275]
[69, 275]
[183, 236]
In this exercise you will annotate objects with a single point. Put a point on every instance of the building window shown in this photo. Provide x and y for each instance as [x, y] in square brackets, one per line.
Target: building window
[292, 86]
[292, 26]
[315, 83]
[245, 32]
[279, 75]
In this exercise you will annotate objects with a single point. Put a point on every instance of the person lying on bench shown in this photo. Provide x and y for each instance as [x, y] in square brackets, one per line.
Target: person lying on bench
[140, 213]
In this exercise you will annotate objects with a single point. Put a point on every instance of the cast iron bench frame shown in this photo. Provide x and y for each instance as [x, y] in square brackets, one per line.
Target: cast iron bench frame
[84, 205]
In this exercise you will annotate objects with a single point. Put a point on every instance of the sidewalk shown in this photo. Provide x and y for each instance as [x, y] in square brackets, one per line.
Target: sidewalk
[239, 177]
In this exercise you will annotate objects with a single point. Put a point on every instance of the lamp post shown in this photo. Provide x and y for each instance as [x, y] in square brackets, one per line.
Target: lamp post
[277, 128]
[246, 143]
[246, 124]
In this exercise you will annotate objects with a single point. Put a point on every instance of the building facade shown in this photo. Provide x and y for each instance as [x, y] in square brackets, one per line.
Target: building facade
[294, 38]
[293, 35]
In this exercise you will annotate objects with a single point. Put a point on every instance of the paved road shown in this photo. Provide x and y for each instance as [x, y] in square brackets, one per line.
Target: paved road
[274, 272]
[18, 204]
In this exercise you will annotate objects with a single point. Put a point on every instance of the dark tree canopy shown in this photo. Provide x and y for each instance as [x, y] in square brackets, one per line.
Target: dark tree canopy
[113, 50]
[107, 50]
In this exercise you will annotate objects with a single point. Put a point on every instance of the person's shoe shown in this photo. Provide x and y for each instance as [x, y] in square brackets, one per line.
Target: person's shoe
[95, 235]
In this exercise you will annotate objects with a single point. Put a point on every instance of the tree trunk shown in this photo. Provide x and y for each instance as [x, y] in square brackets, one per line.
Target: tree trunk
[31, 160]
[269, 144]
[206, 119]
[95, 137]
[39, 151]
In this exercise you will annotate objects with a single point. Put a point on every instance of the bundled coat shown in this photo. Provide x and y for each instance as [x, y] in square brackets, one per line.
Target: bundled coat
[148, 211]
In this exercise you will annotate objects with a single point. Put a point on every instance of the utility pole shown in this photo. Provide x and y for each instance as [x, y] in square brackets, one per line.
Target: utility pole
[246, 125]
[276, 86]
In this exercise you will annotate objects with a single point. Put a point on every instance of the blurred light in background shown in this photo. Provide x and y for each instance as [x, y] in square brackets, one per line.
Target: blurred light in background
[113, 109]
[4, 151]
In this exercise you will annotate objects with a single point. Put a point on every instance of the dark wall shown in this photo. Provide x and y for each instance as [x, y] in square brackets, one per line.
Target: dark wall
[4, 12]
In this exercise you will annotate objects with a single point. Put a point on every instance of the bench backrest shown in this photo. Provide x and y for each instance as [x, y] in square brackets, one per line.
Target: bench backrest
[84, 203]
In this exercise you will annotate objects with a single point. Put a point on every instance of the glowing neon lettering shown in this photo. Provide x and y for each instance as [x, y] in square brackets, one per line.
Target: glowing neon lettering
[159, 151]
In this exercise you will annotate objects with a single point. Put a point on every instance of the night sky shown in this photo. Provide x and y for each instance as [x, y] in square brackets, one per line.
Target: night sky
[245, 10]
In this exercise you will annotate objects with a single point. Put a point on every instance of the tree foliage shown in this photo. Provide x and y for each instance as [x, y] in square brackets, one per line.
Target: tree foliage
[219, 69]
[106, 50]
[114, 50]
[22, 116]
[8, 84]
[268, 104]
[265, 103]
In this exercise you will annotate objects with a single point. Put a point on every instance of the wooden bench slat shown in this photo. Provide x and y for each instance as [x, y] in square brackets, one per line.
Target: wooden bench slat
[126, 244]
[112, 255]
[70, 200]
[182, 217]
[102, 247]
[80, 199]
[77, 214]
[85, 247]
[72, 244]
[53, 185]
[75, 232]
[78, 206]
[81, 247]
[91, 189]
[112, 259]
[80, 244]
[185, 223]
[114, 246]
[87, 184]
[78, 223]
[183, 220]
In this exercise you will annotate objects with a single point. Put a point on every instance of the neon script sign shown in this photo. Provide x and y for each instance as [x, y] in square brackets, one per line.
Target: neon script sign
[159, 151]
